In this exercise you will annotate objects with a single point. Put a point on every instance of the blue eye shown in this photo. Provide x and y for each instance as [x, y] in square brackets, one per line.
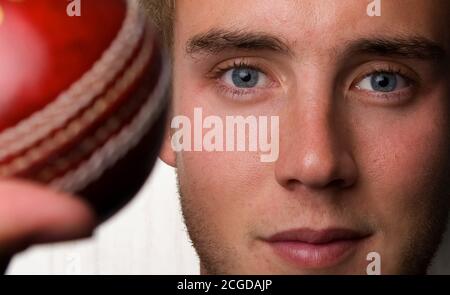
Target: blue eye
[245, 77]
[383, 82]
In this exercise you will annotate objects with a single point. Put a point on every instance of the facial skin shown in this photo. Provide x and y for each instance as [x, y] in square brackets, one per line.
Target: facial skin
[351, 156]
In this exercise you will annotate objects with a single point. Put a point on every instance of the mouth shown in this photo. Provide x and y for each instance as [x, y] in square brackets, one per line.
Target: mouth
[313, 249]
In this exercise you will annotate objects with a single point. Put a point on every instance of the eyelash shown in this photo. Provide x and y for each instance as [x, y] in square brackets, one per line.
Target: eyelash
[219, 71]
[402, 95]
[387, 69]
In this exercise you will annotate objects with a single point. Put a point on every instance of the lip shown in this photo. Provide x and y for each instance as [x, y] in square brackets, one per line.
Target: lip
[312, 249]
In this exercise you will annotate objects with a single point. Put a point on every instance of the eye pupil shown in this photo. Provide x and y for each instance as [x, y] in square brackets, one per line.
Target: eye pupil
[245, 77]
[384, 82]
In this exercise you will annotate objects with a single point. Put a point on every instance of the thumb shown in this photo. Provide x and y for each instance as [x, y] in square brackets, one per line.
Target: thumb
[31, 214]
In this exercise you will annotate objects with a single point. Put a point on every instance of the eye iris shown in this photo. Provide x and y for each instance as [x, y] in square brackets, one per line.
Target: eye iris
[245, 77]
[384, 82]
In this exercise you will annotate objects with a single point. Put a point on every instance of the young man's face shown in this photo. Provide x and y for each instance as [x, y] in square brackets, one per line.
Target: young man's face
[363, 108]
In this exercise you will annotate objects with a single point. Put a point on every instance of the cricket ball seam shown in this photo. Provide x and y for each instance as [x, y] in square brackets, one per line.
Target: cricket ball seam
[65, 135]
[129, 136]
[71, 101]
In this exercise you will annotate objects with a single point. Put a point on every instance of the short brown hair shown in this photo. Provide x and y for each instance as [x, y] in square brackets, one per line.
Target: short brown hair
[161, 13]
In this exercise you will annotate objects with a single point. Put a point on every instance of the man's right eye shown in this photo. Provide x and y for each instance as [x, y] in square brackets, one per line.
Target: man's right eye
[243, 80]
[244, 77]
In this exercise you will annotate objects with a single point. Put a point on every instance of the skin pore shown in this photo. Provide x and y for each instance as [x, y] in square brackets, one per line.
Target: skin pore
[363, 104]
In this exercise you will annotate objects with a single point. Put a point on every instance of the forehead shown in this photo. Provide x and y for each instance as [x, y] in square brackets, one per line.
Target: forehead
[316, 23]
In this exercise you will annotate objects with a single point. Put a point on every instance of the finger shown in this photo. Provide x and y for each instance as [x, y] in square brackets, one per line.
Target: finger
[31, 214]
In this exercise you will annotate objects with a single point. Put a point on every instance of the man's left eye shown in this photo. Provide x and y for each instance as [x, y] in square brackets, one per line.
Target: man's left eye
[245, 77]
[383, 82]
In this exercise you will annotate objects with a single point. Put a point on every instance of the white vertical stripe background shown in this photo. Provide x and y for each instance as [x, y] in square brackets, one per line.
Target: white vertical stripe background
[147, 237]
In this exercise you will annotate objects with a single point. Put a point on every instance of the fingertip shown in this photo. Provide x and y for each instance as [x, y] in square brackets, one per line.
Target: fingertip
[31, 213]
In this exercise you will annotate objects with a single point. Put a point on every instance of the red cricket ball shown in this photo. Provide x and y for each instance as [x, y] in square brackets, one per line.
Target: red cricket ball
[83, 98]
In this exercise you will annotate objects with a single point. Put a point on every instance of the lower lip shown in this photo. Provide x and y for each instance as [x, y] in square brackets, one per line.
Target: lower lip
[305, 255]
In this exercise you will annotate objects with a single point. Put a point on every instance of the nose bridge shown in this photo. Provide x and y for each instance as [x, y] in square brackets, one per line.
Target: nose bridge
[312, 130]
[312, 109]
[318, 131]
[312, 150]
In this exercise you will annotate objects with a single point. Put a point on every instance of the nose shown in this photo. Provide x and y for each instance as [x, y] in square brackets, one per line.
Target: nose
[315, 147]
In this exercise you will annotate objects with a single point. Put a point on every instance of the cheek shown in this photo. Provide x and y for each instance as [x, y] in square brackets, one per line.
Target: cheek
[222, 183]
[229, 180]
[406, 161]
[221, 188]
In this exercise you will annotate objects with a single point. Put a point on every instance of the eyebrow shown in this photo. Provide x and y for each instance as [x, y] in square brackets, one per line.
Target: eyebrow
[218, 40]
[405, 47]
[412, 47]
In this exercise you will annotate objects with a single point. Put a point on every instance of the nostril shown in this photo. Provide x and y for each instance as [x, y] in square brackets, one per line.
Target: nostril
[291, 184]
[339, 183]
[336, 183]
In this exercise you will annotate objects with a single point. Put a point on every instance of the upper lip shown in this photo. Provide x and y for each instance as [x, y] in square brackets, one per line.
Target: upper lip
[311, 236]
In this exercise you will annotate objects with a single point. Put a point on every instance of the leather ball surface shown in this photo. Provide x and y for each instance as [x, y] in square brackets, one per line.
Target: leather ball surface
[83, 98]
